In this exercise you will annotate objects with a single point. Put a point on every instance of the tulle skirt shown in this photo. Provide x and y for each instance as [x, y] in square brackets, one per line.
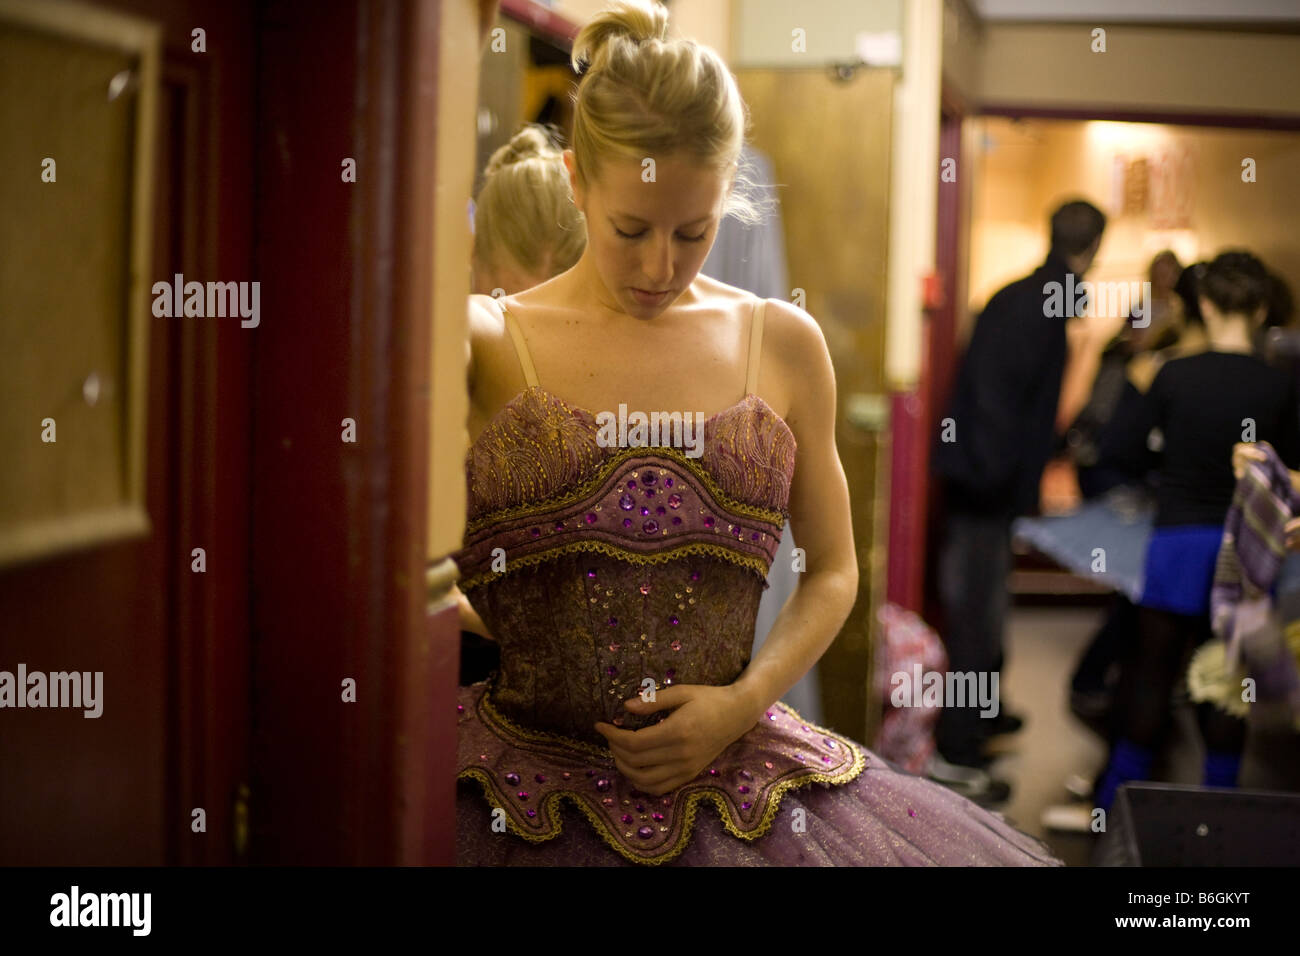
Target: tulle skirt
[881, 818]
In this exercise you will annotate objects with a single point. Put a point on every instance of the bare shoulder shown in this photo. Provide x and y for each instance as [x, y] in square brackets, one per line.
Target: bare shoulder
[485, 319]
[794, 343]
[795, 340]
[791, 328]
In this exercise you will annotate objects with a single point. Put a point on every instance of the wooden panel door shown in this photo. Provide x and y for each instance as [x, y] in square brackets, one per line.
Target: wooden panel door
[835, 205]
[172, 643]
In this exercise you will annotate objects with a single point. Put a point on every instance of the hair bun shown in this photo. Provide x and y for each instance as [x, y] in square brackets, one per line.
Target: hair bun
[531, 142]
[636, 21]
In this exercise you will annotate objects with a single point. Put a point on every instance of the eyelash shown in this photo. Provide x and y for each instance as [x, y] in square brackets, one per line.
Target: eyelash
[638, 235]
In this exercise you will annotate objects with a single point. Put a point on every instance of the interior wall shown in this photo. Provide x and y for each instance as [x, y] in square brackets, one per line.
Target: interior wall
[1030, 166]
[1052, 65]
[706, 21]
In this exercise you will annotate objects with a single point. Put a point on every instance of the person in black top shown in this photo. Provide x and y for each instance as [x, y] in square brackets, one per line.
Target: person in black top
[1196, 410]
[990, 454]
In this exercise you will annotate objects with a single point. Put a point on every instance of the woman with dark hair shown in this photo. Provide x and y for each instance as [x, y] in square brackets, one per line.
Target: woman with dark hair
[1196, 410]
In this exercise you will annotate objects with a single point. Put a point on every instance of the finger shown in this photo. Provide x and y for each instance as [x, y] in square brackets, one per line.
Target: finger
[640, 741]
[666, 698]
[654, 779]
[649, 758]
[658, 783]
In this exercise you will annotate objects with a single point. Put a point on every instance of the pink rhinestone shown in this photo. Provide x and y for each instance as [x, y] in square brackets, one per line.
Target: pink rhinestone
[674, 501]
[645, 589]
[531, 813]
[523, 794]
[767, 764]
[540, 778]
[591, 517]
[676, 645]
[708, 521]
[607, 801]
[460, 708]
[673, 620]
[657, 817]
[566, 775]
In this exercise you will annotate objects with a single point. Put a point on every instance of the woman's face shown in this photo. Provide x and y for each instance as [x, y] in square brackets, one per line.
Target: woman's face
[648, 237]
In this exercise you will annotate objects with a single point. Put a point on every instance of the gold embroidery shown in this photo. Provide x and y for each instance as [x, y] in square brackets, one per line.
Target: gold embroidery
[601, 476]
[486, 706]
[776, 793]
[601, 547]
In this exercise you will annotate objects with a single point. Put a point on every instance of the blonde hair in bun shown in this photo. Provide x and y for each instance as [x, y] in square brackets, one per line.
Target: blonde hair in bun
[645, 95]
[525, 207]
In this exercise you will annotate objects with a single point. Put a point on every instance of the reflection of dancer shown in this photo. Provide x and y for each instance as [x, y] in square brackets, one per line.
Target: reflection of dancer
[622, 582]
[525, 231]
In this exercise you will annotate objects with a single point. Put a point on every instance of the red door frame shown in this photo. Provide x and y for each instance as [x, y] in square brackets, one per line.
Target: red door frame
[915, 414]
[339, 528]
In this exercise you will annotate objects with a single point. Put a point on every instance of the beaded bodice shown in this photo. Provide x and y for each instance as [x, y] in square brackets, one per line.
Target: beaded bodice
[603, 571]
[630, 564]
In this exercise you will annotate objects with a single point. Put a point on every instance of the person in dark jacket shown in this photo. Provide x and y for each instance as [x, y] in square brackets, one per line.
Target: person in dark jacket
[989, 459]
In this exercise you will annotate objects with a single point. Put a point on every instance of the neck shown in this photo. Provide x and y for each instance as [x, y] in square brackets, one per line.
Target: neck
[1230, 337]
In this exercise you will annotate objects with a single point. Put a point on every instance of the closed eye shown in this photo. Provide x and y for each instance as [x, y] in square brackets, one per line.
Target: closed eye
[638, 235]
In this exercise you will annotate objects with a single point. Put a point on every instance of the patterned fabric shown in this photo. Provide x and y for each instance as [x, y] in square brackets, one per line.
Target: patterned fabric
[1252, 642]
[906, 642]
[1254, 543]
[635, 567]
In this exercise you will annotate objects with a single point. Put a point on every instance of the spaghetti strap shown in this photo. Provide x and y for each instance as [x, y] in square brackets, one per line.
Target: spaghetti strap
[521, 346]
[755, 346]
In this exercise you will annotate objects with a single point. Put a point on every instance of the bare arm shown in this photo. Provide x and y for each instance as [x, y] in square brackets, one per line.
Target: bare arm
[469, 618]
[822, 526]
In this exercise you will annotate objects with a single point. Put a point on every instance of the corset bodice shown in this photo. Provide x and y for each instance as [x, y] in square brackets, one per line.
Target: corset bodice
[600, 569]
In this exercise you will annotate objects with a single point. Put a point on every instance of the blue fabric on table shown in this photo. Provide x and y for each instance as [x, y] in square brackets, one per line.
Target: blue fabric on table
[1118, 523]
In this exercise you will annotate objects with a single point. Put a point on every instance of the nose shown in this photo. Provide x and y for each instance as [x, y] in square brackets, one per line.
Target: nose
[658, 265]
